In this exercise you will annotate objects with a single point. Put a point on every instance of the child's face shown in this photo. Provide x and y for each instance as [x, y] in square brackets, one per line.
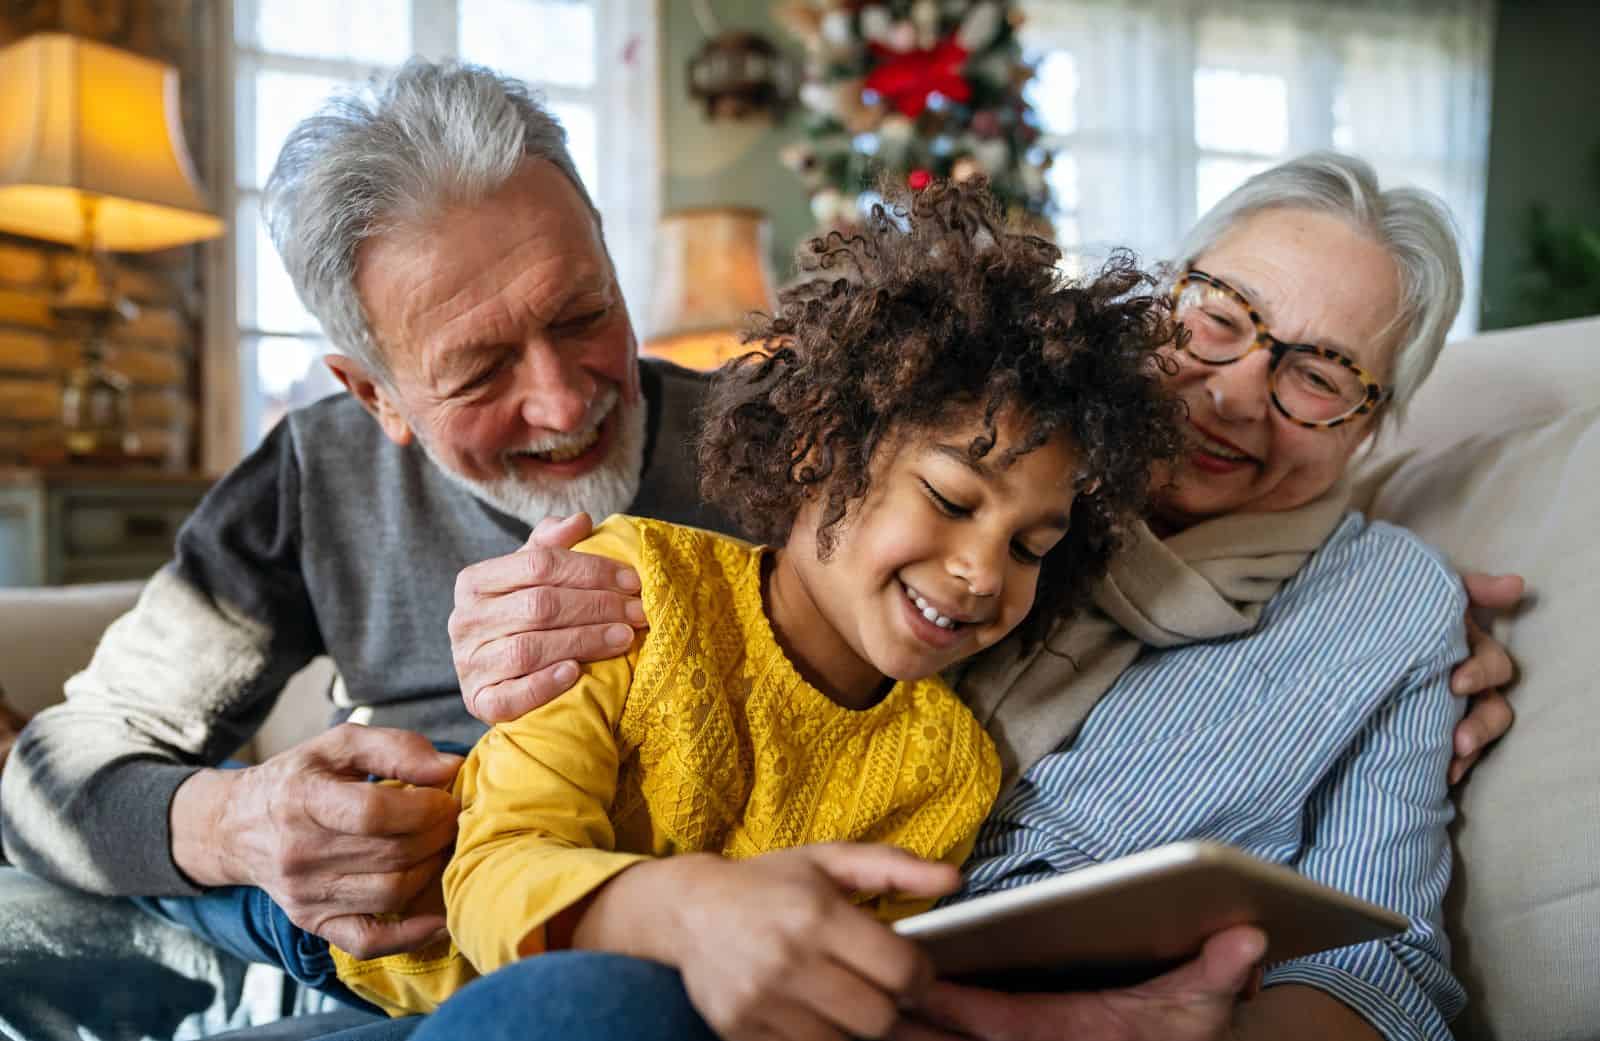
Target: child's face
[941, 559]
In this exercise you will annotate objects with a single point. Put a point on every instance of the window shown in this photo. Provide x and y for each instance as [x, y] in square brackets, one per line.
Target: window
[290, 55]
[1156, 109]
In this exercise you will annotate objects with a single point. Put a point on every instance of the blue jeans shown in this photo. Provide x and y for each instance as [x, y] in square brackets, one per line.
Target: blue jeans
[566, 996]
[244, 921]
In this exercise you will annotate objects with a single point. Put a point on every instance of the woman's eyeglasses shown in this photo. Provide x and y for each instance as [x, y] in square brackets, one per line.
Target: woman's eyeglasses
[1315, 387]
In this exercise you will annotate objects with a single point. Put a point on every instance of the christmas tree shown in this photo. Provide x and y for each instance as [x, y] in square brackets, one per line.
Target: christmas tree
[914, 89]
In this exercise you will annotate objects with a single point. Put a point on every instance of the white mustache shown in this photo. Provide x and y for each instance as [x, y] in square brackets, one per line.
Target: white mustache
[599, 409]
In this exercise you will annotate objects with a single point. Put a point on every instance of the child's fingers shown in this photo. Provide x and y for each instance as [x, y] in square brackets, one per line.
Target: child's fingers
[877, 868]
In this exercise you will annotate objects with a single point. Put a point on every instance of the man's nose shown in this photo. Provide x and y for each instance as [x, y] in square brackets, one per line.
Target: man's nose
[1241, 392]
[556, 393]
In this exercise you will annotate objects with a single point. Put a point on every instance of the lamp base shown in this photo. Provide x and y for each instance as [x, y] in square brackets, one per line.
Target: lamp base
[94, 412]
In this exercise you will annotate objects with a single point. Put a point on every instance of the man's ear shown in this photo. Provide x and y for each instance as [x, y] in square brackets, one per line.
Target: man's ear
[374, 395]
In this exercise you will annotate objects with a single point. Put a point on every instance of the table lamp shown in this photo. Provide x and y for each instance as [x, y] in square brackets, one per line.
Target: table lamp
[711, 272]
[92, 154]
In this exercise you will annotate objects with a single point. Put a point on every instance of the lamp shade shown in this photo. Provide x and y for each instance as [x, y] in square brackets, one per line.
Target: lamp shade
[711, 272]
[81, 123]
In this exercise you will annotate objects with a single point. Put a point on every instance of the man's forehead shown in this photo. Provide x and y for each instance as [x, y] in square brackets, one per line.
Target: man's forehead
[519, 248]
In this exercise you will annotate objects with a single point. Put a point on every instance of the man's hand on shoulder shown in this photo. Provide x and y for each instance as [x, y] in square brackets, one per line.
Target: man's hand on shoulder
[330, 847]
[523, 622]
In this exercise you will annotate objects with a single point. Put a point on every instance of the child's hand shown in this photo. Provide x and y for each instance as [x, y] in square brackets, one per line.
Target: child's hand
[772, 948]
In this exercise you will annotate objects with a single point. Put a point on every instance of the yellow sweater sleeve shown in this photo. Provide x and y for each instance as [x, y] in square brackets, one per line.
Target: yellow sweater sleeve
[535, 835]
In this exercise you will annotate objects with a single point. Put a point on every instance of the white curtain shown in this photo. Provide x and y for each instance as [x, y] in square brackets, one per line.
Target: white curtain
[594, 61]
[628, 138]
[1157, 108]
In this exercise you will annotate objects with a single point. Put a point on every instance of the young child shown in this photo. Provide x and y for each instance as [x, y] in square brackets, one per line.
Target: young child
[943, 442]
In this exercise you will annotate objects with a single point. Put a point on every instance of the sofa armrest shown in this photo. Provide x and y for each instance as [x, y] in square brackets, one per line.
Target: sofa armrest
[47, 634]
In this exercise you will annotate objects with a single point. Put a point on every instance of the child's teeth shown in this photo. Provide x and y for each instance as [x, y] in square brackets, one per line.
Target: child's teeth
[928, 611]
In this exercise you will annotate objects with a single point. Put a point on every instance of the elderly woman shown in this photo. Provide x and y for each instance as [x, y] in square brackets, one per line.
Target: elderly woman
[1264, 668]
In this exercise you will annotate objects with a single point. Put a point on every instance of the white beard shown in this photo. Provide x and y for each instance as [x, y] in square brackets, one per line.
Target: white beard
[604, 490]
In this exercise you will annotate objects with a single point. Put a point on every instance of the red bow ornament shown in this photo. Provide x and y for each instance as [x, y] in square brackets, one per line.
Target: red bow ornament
[906, 80]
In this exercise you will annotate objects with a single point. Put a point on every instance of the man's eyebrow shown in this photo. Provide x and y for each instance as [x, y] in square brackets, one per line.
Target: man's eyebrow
[466, 347]
[455, 360]
[1057, 519]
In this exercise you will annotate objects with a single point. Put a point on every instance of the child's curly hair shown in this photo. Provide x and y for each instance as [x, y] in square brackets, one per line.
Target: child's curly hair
[936, 311]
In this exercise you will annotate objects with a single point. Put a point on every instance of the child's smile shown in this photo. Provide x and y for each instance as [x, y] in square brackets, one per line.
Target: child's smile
[941, 627]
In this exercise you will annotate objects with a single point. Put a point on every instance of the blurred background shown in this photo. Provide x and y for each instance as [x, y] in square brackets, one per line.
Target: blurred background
[149, 336]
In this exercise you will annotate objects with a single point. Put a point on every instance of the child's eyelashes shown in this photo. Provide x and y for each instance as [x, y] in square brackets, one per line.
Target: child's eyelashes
[1019, 552]
[946, 507]
[1025, 555]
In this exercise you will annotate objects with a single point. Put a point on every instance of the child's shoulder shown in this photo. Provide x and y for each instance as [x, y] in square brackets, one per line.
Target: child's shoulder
[630, 540]
[674, 559]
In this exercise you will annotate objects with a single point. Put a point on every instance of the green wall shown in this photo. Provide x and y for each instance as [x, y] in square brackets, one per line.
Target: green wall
[726, 163]
[1544, 130]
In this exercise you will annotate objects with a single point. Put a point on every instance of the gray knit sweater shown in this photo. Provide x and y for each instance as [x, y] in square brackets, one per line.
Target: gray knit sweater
[328, 539]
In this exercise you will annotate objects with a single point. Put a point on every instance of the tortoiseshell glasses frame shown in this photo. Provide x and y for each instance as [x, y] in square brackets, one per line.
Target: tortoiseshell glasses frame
[1371, 395]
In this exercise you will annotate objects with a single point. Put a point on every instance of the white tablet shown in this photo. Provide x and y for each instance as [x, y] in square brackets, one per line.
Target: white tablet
[1133, 918]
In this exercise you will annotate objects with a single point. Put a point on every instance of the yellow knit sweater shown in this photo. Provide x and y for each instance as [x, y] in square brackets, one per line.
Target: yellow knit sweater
[703, 738]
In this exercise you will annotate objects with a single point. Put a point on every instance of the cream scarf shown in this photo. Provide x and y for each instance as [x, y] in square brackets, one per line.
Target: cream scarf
[1207, 581]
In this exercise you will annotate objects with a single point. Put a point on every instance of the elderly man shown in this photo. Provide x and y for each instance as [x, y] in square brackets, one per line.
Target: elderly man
[440, 233]
[443, 236]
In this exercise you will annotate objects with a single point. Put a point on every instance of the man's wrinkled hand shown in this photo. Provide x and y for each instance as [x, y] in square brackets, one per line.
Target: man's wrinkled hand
[522, 622]
[331, 848]
[1486, 670]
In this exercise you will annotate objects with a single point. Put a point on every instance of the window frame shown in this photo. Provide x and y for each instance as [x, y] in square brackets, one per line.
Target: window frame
[1315, 78]
[231, 400]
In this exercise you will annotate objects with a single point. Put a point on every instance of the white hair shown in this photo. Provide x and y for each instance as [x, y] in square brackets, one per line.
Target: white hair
[407, 147]
[1413, 225]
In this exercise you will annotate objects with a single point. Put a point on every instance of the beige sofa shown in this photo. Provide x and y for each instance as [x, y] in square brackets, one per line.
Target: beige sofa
[1499, 465]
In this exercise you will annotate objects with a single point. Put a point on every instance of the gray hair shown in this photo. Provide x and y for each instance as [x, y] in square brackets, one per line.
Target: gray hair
[1413, 225]
[404, 149]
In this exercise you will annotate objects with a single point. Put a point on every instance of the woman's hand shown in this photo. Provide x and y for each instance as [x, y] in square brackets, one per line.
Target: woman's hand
[770, 947]
[1194, 1002]
[522, 622]
[1488, 668]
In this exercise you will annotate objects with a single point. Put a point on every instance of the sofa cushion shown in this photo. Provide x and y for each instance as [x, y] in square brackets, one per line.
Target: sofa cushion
[1525, 904]
[48, 634]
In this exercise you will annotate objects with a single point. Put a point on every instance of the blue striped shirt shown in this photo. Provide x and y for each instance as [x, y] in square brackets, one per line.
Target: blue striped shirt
[1319, 740]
